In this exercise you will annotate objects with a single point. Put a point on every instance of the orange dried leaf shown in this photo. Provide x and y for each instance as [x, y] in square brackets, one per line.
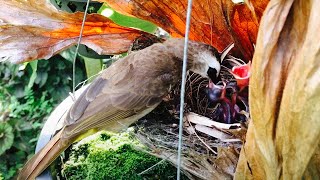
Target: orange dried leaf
[213, 22]
[34, 29]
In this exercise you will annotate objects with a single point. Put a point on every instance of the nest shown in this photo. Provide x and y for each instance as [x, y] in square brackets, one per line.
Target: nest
[210, 147]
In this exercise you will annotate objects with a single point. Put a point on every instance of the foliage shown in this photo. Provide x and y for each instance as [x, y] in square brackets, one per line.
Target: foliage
[25, 116]
[75, 5]
[6, 137]
[23, 109]
[97, 156]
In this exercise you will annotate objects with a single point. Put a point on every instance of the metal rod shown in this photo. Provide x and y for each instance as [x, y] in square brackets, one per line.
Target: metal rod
[77, 49]
[183, 82]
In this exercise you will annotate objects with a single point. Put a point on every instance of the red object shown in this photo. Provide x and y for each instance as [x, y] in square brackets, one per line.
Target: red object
[242, 74]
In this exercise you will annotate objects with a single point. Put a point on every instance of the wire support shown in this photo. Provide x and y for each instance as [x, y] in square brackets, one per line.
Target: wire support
[183, 82]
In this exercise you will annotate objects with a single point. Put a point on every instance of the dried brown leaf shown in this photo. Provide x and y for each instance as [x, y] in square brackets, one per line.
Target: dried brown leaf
[213, 132]
[202, 120]
[34, 29]
[226, 162]
[283, 137]
[213, 21]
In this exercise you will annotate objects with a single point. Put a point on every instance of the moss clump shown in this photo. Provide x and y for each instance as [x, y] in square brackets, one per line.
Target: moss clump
[113, 156]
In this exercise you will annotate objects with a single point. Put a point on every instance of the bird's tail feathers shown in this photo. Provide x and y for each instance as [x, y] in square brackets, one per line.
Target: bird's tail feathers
[41, 160]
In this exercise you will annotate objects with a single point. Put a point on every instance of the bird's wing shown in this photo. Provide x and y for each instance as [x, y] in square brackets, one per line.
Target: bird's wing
[115, 95]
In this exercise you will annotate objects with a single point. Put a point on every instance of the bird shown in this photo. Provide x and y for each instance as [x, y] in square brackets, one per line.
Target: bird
[125, 92]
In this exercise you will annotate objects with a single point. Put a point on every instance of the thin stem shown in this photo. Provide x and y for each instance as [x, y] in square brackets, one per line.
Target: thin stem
[77, 49]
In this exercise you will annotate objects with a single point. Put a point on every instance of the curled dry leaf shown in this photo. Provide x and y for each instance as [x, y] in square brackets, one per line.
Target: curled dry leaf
[221, 131]
[202, 120]
[34, 29]
[283, 137]
[224, 137]
[214, 22]
[227, 161]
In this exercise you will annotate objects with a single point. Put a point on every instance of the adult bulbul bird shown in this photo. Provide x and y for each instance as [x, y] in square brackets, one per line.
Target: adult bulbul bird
[125, 92]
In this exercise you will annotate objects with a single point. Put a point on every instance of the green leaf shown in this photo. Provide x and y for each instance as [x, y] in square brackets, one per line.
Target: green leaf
[93, 67]
[127, 21]
[69, 53]
[41, 78]
[34, 66]
[6, 137]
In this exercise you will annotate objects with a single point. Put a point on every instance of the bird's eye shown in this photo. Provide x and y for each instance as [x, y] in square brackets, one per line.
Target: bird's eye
[212, 73]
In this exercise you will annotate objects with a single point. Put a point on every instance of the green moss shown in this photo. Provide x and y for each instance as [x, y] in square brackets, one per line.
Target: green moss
[113, 156]
[104, 136]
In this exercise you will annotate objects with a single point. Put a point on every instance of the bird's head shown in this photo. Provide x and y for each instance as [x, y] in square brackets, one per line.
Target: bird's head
[203, 59]
[206, 60]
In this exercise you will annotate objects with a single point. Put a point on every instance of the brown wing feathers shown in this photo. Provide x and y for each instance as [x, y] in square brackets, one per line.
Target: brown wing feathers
[123, 93]
[79, 107]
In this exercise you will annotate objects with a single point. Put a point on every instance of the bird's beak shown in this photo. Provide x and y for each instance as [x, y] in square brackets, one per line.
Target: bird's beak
[226, 51]
[212, 74]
